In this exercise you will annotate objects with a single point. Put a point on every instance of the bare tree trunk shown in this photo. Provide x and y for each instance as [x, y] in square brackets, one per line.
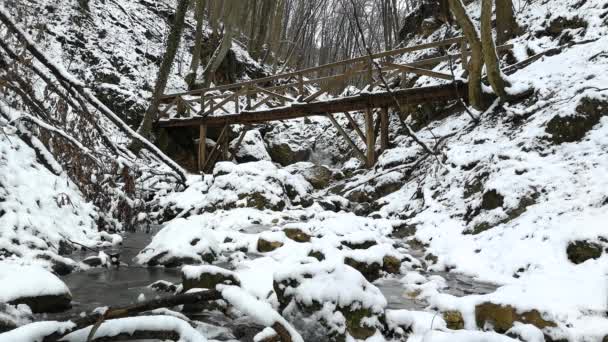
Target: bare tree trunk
[198, 38]
[260, 37]
[476, 62]
[231, 10]
[145, 128]
[489, 51]
[506, 26]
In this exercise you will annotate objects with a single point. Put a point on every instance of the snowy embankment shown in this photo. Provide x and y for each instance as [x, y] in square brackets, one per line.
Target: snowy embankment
[42, 214]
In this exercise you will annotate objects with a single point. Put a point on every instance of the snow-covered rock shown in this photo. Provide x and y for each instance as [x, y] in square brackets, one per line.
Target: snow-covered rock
[34, 286]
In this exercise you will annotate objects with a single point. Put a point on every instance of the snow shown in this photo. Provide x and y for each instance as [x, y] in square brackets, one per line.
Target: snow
[19, 281]
[130, 325]
[36, 331]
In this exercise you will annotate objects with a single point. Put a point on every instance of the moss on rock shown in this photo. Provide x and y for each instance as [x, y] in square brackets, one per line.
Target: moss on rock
[502, 317]
[574, 127]
[268, 246]
[296, 234]
[453, 319]
[580, 251]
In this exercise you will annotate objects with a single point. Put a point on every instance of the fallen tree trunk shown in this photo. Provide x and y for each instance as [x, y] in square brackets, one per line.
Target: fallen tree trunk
[126, 311]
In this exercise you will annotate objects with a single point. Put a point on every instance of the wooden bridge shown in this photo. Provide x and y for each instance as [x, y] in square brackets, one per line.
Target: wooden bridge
[304, 93]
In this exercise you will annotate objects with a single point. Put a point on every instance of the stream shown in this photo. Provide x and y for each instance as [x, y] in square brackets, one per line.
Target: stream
[123, 285]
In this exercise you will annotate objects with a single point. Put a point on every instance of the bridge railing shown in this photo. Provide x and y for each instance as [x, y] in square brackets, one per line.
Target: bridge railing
[291, 87]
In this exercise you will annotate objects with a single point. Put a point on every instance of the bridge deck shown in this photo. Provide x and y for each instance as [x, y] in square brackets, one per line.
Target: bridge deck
[360, 102]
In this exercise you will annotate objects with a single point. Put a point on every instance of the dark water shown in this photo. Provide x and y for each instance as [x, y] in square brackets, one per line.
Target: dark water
[117, 286]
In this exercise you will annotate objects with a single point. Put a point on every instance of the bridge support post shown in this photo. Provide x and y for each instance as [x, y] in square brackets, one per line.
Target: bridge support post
[384, 129]
[202, 148]
[370, 138]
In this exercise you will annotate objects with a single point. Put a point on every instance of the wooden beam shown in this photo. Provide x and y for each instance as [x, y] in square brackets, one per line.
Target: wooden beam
[355, 126]
[444, 92]
[371, 138]
[240, 140]
[384, 129]
[270, 93]
[418, 71]
[358, 152]
[202, 147]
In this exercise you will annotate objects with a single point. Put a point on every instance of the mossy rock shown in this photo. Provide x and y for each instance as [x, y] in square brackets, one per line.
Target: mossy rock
[559, 24]
[360, 245]
[296, 235]
[209, 280]
[391, 264]
[574, 127]
[283, 154]
[354, 323]
[492, 200]
[512, 214]
[453, 319]
[317, 255]
[268, 246]
[259, 201]
[371, 271]
[502, 317]
[581, 251]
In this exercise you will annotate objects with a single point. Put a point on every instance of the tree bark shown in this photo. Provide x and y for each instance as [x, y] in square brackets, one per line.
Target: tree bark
[489, 51]
[476, 61]
[145, 128]
[506, 26]
[198, 38]
[231, 9]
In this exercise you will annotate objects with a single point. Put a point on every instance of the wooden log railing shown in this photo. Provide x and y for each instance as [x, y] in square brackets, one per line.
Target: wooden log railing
[217, 98]
[247, 99]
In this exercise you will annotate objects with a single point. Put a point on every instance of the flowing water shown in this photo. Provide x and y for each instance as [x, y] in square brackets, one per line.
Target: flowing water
[123, 285]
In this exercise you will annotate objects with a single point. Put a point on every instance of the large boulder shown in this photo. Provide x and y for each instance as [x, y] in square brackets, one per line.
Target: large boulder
[252, 148]
[180, 243]
[338, 296]
[317, 175]
[259, 185]
[34, 286]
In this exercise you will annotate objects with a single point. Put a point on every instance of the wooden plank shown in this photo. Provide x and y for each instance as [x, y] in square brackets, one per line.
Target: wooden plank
[202, 147]
[333, 80]
[371, 138]
[340, 130]
[220, 105]
[270, 93]
[213, 155]
[384, 129]
[240, 140]
[437, 93]
[418, 71]
[355, 126]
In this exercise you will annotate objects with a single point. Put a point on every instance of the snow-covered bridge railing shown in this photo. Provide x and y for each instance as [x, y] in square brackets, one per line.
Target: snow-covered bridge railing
[299, 94]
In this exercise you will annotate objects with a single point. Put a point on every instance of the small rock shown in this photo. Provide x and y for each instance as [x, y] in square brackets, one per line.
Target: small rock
[581, 251]
[296, 234]
[207, 277]
[163, 286]
[453, 319]
[268, 246]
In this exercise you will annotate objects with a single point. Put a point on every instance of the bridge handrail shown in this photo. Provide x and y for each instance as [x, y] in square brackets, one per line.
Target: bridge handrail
[301, 73]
